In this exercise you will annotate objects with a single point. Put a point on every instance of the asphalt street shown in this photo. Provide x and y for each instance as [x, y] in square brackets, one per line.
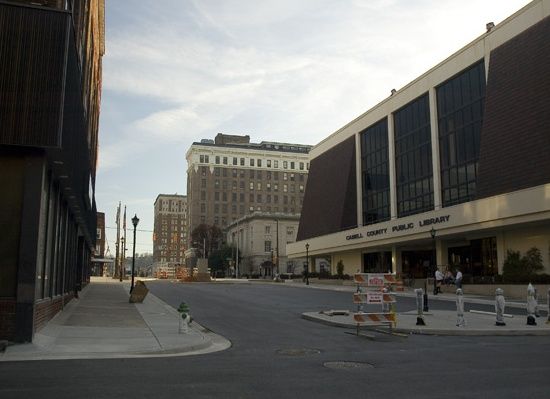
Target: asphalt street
[277, 354]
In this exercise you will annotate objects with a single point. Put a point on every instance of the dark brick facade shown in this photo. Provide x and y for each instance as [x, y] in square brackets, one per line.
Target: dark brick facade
[515, 140]
[46, 309]
[330, 203]
[7, 318]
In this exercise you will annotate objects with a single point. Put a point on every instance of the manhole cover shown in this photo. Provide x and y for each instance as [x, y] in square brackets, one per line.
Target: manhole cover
[348, 365]
[298, 352]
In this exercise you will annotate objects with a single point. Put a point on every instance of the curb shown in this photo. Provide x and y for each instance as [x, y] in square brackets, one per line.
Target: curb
[434, 331]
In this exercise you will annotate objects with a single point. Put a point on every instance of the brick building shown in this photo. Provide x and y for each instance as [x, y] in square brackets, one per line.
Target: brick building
[50, 90]
[230, 177]
[452, 170]
[170, 234]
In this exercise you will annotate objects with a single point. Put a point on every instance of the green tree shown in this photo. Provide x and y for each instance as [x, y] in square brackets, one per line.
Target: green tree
[340, 269]
[219, 259]
[206, 238]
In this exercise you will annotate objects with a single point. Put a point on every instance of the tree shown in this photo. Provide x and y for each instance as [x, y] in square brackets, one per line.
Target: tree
[219, 259]
[206, 238]
[521, 269]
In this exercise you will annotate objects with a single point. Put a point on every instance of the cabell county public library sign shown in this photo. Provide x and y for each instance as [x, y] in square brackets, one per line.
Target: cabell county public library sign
[401, 227]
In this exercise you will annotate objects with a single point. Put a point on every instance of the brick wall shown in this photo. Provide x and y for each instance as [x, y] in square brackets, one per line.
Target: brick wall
[515, 138]
[45, 310]
[330, 203]
[7, 318]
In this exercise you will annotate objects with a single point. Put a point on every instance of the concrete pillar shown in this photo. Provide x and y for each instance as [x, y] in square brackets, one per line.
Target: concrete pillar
[396, 260]
[435, 148]
[501, 251]
[391, 156]
[358, 180]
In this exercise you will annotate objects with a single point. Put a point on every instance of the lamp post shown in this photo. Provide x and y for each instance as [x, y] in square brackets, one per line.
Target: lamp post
[426, 308]
[135, 221]
[306, 269]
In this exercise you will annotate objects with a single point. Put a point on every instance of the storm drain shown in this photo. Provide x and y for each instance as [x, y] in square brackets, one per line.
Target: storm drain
[348, 365]
[298, 352]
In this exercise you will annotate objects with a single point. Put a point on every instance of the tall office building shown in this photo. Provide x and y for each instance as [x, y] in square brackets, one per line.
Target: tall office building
[230, 177]
[452, 170]
[170, 234]
[50, 90]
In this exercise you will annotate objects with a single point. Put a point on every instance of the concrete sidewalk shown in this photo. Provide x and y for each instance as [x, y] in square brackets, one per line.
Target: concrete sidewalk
[439, 322]
[101, 323]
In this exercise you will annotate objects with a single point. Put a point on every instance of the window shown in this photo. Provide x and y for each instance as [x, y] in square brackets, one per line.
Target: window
[292, 164]
[375, 173]
[267, 246]
[201, 158]
[234, 197]
[268, 175]
[241, 184]
[242, 161]
[259, 198]
[216, 196]
[413, 158]
[225, 160]
[203, 207]
[251, 185]
[224, 196]
[285, 165]
[217, 159]
[216, 184]
[276, 187]
[268, 162]
[98, 234]
[267, 229]
[301, 188]
[292, 177]
[234, 161]
[251, 161]
[259, 163]
[460, 116]
[250, 197]
[203, 170]
[268, 186]
[251, 173]
[234, 185]
[290, 231]
[216, 171]
[259, 174]
[258, 186]
[276, 175]
[301, 166]
[275, 164]
[285, 176]
[285, 188]
[203, 195]
[224, 174]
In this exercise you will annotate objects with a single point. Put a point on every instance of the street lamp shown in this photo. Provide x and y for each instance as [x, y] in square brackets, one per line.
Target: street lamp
[135, 221]
[306, 270]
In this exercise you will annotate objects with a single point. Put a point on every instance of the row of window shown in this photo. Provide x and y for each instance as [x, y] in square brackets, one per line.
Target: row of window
[257, 174]
[254, 162]
[251, 209]
[460, 117]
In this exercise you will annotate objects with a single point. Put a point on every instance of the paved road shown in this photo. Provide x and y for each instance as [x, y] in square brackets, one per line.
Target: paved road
[276, 354]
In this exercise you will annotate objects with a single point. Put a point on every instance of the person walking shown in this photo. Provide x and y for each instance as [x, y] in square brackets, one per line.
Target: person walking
[458, 279]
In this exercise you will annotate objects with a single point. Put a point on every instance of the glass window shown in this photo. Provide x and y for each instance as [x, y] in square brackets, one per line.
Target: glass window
[374, 171]
[460, 115]
[413, 158]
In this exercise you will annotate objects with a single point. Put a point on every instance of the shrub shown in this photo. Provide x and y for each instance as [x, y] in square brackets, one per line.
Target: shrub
[522, 269]
[340, 269]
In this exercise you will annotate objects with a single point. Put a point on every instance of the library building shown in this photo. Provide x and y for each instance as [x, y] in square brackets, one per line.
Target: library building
[450, 171]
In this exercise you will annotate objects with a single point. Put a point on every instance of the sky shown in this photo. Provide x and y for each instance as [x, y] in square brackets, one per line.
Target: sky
[178, 71]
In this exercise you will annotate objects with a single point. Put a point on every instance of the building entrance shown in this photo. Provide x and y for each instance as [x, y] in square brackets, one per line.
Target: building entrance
[418, 264]
[377, 262]
[479, 259]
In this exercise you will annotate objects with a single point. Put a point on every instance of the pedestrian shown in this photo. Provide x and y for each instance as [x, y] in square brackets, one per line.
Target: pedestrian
[449, 278]
[458, 278]
[438, 281]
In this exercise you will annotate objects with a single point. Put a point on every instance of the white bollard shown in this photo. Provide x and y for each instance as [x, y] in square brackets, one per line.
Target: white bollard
[460, 321]
[531, 305]
[419, 304]
[500, 304]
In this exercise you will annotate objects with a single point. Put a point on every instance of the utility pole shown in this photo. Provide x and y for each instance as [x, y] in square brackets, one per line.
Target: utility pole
[117, 256]
[124, 243]
[277, 265]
